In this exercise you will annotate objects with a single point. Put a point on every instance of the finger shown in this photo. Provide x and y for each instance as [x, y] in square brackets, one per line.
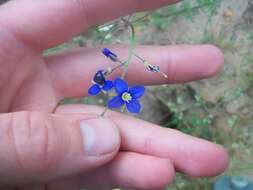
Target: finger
[34, 187]
[37, 147]
[190, 155]
[47, 23]
[75, 70]
[128, 170]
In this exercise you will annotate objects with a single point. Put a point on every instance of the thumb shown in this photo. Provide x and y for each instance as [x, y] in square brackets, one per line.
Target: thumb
[38, 147]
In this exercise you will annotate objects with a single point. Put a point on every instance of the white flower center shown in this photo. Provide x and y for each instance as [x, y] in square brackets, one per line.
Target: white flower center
[126, 97]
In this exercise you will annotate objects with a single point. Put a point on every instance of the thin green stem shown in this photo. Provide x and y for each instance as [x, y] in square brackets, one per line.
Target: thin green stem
[143, 17]
[130, 56]
[140, 58]
[104, 112]
[117, 67]
[131, 48]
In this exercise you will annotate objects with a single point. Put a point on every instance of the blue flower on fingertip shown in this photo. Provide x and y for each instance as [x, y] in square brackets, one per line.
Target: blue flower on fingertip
[100, 84]
[127, 96]
[109, 54]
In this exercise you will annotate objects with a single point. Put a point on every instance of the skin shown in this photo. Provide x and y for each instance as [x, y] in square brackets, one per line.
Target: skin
[41, 143]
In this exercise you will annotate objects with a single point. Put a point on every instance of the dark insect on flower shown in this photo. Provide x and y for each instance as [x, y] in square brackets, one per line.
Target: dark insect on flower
[127, 96]
[109, 54]
[100, 84]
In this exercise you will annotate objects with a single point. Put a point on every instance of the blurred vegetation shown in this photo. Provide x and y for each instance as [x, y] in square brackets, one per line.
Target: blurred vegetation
[218, 109]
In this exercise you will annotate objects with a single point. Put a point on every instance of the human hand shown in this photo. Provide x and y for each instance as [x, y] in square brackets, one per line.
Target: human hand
[46, 146]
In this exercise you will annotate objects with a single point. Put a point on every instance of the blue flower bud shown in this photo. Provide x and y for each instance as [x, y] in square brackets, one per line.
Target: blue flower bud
[108, 53]
[154, 69]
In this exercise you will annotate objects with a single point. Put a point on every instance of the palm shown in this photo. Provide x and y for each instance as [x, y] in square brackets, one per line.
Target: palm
[28, 86]
[31, 82]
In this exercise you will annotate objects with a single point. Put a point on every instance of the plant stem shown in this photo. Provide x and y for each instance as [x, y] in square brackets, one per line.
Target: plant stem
[140, 58]
[130, 56]
[104, 112]
[131, 48]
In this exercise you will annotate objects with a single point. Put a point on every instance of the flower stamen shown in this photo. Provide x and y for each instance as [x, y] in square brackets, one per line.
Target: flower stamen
[126, 97]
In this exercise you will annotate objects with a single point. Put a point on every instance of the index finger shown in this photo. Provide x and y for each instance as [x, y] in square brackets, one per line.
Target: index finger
[190, 155]
[47, 23]
[73, 71]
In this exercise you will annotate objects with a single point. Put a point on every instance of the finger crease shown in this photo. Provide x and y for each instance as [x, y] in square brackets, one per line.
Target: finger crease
[15, 144]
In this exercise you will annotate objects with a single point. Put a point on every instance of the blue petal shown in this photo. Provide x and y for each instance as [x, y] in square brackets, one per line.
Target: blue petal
[137, 91]
[108, 85]
[120, 86]
[115, 102]
[134, 106]
[94, 90]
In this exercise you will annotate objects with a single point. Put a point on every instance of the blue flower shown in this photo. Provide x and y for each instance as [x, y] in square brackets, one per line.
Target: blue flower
[100, 84]
[109, 54]
[127, 96]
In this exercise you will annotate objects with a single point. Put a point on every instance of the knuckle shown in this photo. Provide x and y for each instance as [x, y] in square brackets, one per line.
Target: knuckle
[148, 145]
[29, 133]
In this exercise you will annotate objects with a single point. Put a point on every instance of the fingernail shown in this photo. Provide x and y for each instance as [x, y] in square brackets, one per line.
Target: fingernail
[100, 136]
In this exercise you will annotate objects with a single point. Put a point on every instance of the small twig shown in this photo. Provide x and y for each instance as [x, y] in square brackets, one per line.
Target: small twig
[143, 17]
